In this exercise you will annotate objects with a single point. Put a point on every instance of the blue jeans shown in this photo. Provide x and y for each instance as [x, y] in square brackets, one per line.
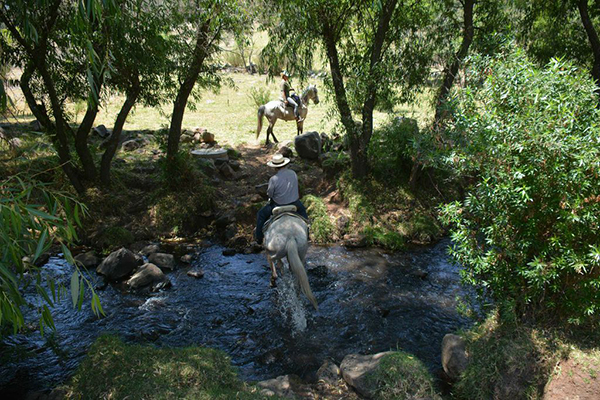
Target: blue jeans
[264, 214]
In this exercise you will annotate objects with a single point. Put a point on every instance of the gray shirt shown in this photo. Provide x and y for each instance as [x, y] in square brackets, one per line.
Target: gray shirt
[283, 187]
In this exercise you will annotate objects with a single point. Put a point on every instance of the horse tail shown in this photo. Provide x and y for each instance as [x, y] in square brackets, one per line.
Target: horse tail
[298, 270]
[261, 114]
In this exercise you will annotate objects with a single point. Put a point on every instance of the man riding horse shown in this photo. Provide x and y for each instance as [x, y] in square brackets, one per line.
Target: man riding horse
[282, 191]
[289, 96]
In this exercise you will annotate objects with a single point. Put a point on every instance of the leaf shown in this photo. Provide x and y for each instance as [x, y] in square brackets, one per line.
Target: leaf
[42, 292]
[41, 244]
[80, 300]
[41, 214]
[67, 254]
[75, 288]
[96, 305]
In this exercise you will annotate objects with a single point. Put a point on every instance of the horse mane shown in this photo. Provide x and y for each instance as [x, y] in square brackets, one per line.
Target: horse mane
[306, 91]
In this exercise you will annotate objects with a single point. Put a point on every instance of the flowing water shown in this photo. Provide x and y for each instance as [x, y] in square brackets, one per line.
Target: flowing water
[369, 301]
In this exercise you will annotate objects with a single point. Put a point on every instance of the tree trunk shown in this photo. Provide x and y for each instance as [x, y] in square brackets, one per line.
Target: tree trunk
[360, 165]
[38, 110]
[582, 5]
[113, 141]
[451, 71]
[37, 57]
[340, 91]
[81, 145]
[199, 55]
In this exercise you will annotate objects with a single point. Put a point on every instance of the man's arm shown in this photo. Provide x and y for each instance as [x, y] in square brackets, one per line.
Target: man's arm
[271, 187]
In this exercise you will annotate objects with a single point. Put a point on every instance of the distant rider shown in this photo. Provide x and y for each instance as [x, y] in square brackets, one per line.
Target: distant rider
[282, 191]
[287, 96]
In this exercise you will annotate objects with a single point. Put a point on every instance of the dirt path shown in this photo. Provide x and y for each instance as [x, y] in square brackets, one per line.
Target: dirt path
[245, 195]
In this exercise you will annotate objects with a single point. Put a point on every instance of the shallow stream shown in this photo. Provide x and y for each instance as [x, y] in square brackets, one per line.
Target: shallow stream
[369, 301]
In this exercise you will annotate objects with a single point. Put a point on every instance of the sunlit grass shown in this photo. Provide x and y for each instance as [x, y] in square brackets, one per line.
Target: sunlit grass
[230, 114]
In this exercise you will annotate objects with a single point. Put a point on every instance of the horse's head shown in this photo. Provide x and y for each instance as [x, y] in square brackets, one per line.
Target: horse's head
[311, 93]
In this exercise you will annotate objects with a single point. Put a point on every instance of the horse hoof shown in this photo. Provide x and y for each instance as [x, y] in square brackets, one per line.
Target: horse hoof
[273, 282]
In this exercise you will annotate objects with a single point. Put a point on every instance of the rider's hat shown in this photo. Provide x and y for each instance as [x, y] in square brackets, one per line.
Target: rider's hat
[285, 73]
[278, 161]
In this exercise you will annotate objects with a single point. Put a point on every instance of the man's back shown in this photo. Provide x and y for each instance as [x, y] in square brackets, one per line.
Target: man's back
[283, 187]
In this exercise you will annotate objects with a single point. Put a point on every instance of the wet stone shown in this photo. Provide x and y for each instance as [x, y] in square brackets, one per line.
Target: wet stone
[196, 274]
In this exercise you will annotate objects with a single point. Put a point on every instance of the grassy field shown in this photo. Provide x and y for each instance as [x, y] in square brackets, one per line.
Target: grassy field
[230, 114]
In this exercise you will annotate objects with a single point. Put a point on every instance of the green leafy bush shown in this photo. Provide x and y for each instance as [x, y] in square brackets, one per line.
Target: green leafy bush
[528, 231]
[322, 229]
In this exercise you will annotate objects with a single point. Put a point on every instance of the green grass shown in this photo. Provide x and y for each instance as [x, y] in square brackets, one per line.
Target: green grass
[322, 229]
[516, 361]
[401, 376]
[231, 114]
[115, 370]
[390, 215]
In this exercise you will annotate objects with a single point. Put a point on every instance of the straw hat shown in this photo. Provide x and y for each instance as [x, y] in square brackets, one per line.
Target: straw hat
[278, 161]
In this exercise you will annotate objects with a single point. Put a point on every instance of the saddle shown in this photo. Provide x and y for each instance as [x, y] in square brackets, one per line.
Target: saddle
[296, 99]
[280, 211]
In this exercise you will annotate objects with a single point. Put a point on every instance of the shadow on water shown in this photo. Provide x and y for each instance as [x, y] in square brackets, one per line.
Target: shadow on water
[369, 301]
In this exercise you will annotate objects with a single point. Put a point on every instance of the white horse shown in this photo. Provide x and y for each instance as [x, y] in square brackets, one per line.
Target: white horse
[276, 109]
[287, 236]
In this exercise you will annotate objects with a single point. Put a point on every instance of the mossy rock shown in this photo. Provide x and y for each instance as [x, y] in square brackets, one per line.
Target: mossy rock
[115, 236]
[233, 154]
[400, 375]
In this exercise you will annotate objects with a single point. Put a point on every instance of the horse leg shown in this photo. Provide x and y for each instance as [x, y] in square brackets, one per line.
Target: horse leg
[273, 272]
[270, 132]
[300, 126]
[274, 138]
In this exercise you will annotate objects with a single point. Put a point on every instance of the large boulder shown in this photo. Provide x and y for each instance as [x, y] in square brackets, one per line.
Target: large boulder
[357, 370]
[147, 274]
[162, 260]
[150, 249]
[101, 131]
[118, 265]
[308, 145]
[87, 260]
[454, 356]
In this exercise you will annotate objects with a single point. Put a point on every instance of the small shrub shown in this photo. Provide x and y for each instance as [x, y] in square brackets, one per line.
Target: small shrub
[260, 95]
[322, 228]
